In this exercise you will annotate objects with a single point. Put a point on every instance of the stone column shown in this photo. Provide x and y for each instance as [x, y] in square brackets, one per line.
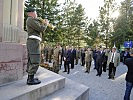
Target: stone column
[1, 19]
[14, 12]
[6, 11]
[20, 22]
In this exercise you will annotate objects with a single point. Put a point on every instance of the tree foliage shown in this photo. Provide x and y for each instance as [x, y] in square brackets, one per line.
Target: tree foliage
[74, 28]
[68, 18]
[123, 30]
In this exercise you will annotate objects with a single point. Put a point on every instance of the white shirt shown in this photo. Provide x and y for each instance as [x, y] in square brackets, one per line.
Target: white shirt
[113, 57]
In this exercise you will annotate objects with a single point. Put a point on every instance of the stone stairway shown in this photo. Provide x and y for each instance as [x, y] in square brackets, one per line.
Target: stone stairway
[53, 87]
[71, 91]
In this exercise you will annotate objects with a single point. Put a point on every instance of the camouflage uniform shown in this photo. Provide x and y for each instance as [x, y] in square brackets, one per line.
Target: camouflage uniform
[34, 28]
[49, 53]
[88, 60]
[56, 64]
[46, 53]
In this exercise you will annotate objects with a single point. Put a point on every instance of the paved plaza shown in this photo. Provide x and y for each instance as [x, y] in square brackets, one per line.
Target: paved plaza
[101, 88]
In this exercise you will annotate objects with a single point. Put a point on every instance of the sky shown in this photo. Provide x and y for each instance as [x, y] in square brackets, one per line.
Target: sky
[92, 7]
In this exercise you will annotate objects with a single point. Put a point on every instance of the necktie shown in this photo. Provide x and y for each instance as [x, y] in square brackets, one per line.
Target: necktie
[112, 58]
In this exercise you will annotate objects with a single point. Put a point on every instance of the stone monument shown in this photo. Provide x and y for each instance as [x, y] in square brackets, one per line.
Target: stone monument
[12, 39]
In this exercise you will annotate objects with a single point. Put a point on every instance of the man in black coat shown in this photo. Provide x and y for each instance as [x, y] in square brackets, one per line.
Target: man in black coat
[129, 77]
[94, 57]
[73, 56]
[99, 61]
[67, 59]
[83, 57]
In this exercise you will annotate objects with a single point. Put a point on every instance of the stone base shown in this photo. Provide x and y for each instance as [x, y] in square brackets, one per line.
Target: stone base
[13, 60]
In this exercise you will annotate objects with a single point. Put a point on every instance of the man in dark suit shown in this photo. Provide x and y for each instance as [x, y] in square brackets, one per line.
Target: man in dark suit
[94, 57]
[83, 57]
[67, 59]
[99, 61]
[73, 56]
[129, 77]
[105, 59]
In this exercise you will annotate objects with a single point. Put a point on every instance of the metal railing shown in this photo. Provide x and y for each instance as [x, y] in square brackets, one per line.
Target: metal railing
[13, 34]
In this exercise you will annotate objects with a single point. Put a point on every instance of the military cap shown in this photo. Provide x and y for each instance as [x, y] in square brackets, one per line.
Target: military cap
[30, 9]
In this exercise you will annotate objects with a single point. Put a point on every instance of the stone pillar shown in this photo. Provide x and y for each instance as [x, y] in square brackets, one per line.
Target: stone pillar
[1, 19]
[6, 11]
[14, 12]
[20, 22]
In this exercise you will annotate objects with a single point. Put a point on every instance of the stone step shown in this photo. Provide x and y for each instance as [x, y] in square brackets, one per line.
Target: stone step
[72, 91]
[18, 90]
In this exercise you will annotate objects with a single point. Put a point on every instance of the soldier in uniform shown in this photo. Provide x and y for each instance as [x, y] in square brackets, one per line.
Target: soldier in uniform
[34, 29]
[88, 59]
[42, 53]
[46, 53]
[56, 64]
[49, 53]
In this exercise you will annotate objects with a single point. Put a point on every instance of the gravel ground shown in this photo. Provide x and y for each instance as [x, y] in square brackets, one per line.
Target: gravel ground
[101, 88]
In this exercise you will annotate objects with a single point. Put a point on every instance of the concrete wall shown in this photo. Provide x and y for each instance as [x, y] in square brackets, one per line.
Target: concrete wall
[13, 60]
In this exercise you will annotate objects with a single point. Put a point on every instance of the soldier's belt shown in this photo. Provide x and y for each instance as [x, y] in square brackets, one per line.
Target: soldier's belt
[35, 37]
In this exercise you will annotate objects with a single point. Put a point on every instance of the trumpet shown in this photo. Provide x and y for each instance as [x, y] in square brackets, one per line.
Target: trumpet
[49, 25]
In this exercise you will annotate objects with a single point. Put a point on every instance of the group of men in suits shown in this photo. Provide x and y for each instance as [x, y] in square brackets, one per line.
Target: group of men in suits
[104, 59]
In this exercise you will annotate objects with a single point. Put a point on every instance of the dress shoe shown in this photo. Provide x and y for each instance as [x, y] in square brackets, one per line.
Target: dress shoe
[109, 77]
[97, 75]
[104, 70]
[86, 71]
[113, 78]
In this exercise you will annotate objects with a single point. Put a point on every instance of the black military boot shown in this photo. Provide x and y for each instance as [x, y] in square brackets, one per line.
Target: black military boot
[32, 81]
[34, 78]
